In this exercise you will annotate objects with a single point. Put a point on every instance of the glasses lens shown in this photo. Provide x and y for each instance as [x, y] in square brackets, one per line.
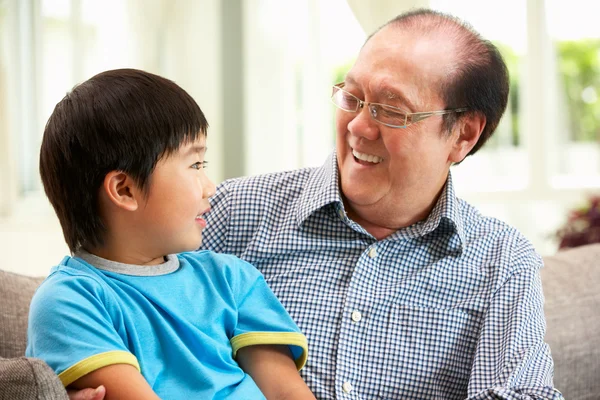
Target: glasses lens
[387, 115]
[344, 100]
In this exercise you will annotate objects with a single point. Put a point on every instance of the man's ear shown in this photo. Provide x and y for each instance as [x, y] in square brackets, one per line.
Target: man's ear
[470, 128]
[121, 190]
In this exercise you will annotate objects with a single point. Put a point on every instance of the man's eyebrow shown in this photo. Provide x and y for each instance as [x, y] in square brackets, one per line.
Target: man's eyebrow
[394, 94]
[387, 92]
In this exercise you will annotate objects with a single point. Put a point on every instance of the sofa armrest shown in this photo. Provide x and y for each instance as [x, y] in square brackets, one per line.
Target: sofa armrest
[29, 378]
[571, 282]
[16, 292]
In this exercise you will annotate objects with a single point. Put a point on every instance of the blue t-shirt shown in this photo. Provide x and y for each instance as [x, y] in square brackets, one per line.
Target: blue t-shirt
[180, 323]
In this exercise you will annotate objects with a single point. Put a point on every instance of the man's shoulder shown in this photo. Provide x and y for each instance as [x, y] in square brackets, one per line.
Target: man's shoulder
[489, 233]
[270, 182]
[478, 224]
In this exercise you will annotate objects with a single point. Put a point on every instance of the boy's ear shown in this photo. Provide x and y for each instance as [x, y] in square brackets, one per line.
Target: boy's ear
[121, 190]
[470, 129]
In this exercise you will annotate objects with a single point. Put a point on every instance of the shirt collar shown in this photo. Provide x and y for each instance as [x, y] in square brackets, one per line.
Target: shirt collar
[445, 214]
[322, 189]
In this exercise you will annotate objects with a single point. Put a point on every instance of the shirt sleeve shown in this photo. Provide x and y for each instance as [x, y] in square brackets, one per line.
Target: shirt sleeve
[262, 319]
[512, 361]
[71, 329]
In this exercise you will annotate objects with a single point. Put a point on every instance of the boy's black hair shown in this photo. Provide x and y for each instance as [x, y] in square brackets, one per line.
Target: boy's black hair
[119, 120]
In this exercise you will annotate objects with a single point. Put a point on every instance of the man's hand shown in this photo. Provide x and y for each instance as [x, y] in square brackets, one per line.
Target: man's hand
[87, 394]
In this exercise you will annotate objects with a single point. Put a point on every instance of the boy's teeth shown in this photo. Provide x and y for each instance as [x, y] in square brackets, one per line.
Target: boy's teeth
[367, 157]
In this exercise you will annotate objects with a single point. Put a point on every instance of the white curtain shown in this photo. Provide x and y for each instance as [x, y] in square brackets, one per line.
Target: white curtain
[373, 14]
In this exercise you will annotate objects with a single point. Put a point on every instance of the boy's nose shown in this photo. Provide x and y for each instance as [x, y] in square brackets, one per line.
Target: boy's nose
[209, 188]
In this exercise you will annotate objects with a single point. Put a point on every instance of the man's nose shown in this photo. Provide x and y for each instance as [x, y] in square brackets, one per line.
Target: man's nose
[363, 124]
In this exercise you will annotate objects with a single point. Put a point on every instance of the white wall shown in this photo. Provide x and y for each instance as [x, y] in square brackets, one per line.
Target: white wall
[168, 38]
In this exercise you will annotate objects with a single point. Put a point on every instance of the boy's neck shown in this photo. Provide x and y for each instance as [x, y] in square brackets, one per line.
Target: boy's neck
[126, 256]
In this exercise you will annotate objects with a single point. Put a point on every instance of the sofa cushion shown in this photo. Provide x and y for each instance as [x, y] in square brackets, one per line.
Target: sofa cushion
[571, 281]
[17, 291]
[27, 379]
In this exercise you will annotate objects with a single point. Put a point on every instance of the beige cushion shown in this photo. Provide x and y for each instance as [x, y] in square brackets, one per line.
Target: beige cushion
[571, 282]
[16, 292]
[27, 379]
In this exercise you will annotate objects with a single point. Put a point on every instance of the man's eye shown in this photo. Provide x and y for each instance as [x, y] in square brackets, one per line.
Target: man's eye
[392, 114]
[200, 165]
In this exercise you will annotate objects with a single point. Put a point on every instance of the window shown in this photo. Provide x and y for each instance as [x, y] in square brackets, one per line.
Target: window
[506, 148]
[575, 56]
[546, 156]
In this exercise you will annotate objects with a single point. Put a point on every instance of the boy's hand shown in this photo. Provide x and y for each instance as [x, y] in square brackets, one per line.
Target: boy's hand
[87, 394]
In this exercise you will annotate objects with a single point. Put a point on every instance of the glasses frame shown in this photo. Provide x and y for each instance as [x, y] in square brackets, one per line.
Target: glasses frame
[409, 118]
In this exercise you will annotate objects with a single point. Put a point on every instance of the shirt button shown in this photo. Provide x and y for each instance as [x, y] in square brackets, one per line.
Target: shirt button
[341, 213]
[373, 252]
[356, 316]
[347, 387]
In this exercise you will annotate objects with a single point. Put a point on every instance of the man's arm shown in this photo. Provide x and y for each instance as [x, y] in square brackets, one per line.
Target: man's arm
[512, 360]
[87, 394]
[121, 381]
[274, 371]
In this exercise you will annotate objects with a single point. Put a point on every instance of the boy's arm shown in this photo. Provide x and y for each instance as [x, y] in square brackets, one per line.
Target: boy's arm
[274, 371]
[71, 329]
[122, 381]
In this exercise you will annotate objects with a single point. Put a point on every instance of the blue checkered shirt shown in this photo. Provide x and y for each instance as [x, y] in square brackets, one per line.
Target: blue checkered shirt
[448, 308]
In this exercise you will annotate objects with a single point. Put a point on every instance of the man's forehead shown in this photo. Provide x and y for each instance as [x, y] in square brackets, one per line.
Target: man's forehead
[398, 62]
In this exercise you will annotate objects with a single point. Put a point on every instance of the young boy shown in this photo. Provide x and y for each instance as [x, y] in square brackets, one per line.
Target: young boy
[122, 162]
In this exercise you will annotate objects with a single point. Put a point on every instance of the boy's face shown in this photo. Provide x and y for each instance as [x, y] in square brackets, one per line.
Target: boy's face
[171, 219]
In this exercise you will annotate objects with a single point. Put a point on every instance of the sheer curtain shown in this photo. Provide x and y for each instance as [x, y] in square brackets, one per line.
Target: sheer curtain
[48, 46]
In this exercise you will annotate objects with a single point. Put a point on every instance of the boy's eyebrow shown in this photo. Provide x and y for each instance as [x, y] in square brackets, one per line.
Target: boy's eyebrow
[195, 149]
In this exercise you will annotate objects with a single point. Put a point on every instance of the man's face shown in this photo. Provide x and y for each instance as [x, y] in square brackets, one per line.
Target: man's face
[383, 169]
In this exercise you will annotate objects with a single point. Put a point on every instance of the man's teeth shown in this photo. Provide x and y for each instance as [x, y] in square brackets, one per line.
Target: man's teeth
[367, 157]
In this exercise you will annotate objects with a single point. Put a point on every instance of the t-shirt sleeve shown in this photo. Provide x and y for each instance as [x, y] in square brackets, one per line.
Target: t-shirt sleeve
[71, 328]
[262, 319]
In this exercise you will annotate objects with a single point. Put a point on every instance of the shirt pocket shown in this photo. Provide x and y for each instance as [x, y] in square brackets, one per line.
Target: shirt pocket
[429, 352]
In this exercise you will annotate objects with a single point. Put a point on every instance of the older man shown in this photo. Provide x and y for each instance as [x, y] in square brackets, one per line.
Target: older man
[403, 290]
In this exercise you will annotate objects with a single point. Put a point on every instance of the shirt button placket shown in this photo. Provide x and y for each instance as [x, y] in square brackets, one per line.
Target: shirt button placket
[352, 332]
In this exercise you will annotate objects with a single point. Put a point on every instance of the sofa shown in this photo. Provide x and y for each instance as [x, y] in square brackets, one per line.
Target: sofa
[571, 281]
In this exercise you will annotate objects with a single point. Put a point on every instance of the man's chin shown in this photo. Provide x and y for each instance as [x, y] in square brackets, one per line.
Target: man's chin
[361, 197]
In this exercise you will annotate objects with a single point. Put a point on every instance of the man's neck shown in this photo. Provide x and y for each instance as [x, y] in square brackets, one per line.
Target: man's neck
[382, 220]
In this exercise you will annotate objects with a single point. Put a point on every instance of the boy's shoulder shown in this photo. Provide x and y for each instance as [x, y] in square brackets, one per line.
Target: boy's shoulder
[227, 265]
[71, 273]
[71, 283]
[211, 259]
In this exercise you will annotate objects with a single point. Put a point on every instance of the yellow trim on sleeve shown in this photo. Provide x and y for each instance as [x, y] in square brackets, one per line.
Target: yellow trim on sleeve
[282, 338]
[95, 362]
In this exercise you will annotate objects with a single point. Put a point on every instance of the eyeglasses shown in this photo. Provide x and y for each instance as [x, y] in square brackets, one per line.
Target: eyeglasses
[387, 115]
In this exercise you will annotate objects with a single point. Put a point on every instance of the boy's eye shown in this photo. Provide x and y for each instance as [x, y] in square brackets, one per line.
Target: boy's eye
[199, 165]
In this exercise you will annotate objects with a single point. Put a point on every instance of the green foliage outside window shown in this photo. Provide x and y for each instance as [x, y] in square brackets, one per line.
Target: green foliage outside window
[579, 66]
